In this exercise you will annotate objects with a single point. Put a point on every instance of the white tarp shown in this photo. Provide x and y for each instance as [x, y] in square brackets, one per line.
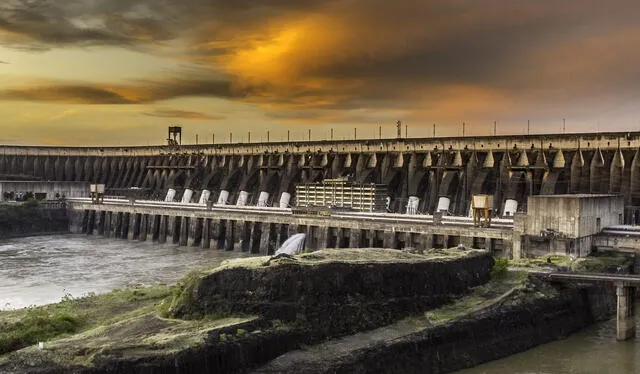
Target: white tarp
[293, 245]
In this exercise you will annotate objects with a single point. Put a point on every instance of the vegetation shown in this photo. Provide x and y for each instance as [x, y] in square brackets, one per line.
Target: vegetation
[24, 327]
[602, 262]
[500, 267]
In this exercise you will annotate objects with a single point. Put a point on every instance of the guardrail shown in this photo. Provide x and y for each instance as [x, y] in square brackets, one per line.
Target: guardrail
[366, 216]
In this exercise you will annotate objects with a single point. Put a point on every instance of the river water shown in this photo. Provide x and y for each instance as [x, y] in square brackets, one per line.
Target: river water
[41, 270]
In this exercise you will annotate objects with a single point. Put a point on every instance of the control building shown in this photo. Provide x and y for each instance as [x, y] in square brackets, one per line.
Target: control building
[343, 193]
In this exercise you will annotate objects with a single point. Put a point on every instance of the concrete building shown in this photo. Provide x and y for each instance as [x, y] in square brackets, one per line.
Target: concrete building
[564, 224]
[12, 190]
[341, 192]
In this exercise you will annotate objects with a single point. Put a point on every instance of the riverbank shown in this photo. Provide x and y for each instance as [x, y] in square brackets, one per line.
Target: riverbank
[225, 320]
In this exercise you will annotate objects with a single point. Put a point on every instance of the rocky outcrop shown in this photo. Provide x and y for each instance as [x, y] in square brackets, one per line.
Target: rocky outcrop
[330, 297]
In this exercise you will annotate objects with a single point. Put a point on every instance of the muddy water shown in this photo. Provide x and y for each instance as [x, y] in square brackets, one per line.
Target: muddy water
[41, 270]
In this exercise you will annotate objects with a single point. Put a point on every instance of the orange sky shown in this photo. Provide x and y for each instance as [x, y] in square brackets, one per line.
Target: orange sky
[118, 72]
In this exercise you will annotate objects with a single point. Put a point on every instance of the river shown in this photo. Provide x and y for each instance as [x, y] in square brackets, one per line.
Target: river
[41, 270]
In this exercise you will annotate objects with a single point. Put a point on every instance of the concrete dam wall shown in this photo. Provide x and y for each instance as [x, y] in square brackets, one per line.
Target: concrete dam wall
[436, 174]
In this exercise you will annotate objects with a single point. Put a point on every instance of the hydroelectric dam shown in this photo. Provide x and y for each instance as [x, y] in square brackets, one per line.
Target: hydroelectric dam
[239, 196]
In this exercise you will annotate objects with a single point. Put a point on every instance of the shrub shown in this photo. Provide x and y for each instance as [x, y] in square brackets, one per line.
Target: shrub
[500, 267]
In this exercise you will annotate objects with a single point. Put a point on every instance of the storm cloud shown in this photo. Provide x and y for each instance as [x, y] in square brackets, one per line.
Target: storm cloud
[436, 59]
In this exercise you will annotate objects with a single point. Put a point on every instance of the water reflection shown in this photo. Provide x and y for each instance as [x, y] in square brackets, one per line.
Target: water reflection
[40, 270]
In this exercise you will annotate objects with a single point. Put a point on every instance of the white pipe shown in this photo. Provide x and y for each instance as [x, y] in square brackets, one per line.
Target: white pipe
[242, 198]
[171, 193]
[186, 197]
[263, 199]
[224, 197]
[510, 207]
[204, 197]
[285, 198]
[412, 205]
[443, 204]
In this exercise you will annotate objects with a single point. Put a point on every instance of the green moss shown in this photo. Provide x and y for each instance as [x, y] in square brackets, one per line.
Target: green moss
[500, 267]
[37, 325]
[24, 327]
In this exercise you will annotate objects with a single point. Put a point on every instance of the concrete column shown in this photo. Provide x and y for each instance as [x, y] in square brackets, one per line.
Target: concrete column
[206, 230]
[245, 235]
[390, 240]
[323, 234]
[354, 238]
[412, 205]
[230, 234]
[171, 193]
[516, 247]
[204, 197]
[154, 227]
[144, 227]
[107, 224]
[427, 241]
[187, 195]
[626, 316]
[510, 207]
[285, 198]
[224, 197]
[256, 234]
[134, 226]
[242, 198]
[116, 224]
[97, 222]
[162, 230]
[264, 237]
[171, 226]
[220, 229]
[263, 199]
[101, 222]
[184, 231]
[195, 232]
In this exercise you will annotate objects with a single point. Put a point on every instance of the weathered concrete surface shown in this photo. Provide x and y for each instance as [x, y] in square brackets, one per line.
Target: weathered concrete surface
[510, 168]
[333, 292]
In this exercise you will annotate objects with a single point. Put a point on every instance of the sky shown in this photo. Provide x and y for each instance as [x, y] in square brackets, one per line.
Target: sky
[119, 72]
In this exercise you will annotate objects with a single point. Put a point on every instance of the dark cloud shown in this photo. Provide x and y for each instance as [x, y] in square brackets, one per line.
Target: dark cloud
[143, 92]
[184, 114]
[332, 55]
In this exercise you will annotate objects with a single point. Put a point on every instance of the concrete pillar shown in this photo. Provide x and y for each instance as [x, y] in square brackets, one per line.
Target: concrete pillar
[224, 197]
[220, 229]
[264, 238]
[285, 199]
[134, 226]
[242, 198]
[426, 241]
[412, 205]
[510, 207]
[187, 195]
[322, 234]
[184, 231]
[390, 240]
[626, 316]
[162, 229]
[154, 227]
[255, 234]
[107, 224]
[144, 227]
[195, 232]
[116, 224]
[245, 235]
[206, 230]
[263, 199]
[516, 247]
[97, 222]
[230, 236]
[443, 204]
[171, 194]
[354, 238]
[204, 197]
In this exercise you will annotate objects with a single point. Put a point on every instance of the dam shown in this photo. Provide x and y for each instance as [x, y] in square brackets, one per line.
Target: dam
[239, 196]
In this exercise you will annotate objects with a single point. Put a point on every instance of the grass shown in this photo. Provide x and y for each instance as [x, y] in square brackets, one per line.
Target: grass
[24, 327]
[480, 297]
